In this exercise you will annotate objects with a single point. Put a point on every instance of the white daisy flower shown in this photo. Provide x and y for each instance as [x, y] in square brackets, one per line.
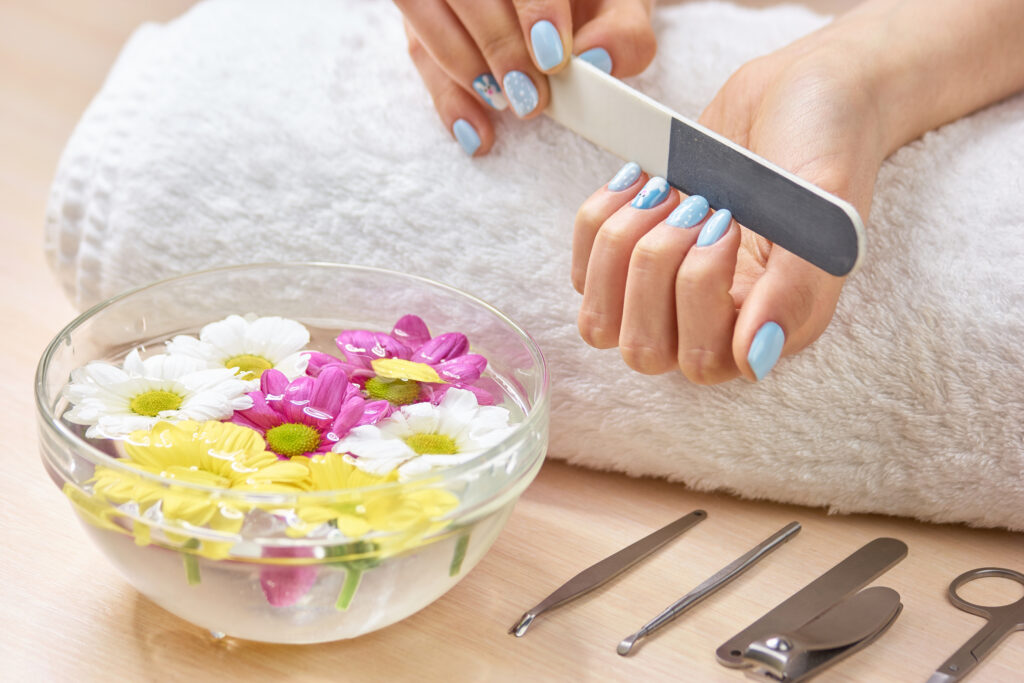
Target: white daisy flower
[423, 437]
[250, 345]
[117, 401]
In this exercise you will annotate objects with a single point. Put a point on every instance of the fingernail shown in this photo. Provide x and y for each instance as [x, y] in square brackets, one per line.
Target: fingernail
[487, 87]
[654, 193]
[714, 228]
[689, 213]
[625, 177]
[599, 57]
[765, 349]
[521, 92]
[466, 134]
[547, 44]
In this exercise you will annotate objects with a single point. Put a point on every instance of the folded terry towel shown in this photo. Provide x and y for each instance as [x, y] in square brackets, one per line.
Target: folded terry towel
[253, 130]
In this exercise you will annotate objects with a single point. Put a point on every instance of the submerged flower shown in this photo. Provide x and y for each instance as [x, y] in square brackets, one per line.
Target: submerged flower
[422, 437]
[249, 345]
[307, 415]
[407, 365]
[212, 454]
[117, 401]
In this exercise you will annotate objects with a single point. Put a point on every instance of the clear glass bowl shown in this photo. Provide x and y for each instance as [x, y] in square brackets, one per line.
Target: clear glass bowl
[397, 568]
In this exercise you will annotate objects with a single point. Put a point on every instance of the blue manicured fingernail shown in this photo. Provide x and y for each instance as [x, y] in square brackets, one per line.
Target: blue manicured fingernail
[599, 57]
[547, 44]
[714, 228]
[654, 193]
[487, 87]
[689, 213]
[765, 349]
[626, 176]
[466, 134]
[521, 92]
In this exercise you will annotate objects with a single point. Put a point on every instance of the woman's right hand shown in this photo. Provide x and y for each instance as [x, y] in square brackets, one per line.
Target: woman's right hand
[480, 56]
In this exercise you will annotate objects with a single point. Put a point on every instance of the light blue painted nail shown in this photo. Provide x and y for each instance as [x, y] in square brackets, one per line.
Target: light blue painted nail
[626, 176]
[654, 193]
[714, 228]
[547, 44]
[521, 92]
[765, 349]
[599, 57]
[689, 213]
[466, 134]
[486, 86]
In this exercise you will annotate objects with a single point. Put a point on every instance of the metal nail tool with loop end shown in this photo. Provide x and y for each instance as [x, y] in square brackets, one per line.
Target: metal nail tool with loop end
[608, 568]
[718, 580]
[1002, 621]
[822, 623]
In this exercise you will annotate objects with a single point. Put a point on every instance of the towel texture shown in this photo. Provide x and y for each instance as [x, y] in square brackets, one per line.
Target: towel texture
[253, 130]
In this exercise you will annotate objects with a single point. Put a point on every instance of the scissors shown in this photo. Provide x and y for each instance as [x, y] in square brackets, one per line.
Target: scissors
[1002, 621]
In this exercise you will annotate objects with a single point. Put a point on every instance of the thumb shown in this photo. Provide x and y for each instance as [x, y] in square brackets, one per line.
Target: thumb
[788, 307]
[618, 37]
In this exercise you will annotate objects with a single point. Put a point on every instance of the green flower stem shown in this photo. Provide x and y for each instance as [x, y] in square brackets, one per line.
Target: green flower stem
[191, 562]
[459, 555]
[348, 589]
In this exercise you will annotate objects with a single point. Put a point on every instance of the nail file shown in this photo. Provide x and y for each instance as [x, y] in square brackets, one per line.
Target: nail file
[781, 207]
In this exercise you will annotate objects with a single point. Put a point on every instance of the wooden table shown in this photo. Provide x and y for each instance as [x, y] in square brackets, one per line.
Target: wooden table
[67, 616]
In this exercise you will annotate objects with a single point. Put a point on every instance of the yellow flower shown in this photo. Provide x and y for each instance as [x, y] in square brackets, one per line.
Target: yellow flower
[213, 454]
[405, 513]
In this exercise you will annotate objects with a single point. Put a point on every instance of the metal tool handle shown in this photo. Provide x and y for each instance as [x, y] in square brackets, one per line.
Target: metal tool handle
[846, 578]
[608, 568]
[1003, 620]
[720, 578]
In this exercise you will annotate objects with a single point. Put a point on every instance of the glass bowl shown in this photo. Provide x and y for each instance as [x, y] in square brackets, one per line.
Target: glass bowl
[335, 585]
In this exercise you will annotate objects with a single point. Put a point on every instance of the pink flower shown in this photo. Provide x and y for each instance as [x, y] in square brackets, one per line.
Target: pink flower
[448, 355]
[307, 415]
[285, 585]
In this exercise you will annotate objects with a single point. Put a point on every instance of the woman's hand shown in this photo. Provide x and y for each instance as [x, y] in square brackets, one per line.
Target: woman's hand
[479, 56]
[674, 286]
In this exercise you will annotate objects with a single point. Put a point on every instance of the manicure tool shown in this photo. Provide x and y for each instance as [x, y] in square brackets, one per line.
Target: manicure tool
[778, 205]
[724, 576]
[608, 568]
[820, 624]
[1002, 620]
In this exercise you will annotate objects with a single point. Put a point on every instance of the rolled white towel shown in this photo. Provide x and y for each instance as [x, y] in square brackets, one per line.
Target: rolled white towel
[252, 130]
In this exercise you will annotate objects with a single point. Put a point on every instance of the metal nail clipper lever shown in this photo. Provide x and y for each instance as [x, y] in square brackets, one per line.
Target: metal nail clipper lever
[822, 623]
[718, 580]
[778, 205]
[608, 568]
[1002, 621]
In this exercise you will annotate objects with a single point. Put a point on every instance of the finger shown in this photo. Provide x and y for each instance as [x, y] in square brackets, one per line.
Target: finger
[595, 211]
[618, 39]
[547, 27]
[648, 339]
[788, 307]
[451, 46]
[462, 115]
[705, 310]
[600, 316]
[495, 29]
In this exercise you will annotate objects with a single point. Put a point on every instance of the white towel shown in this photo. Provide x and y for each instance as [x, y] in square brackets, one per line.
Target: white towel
[252, 130]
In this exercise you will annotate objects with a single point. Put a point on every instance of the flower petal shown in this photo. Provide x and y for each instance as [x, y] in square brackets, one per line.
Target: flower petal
[441, 348]
[285, 585]
[411, 331]
[466, 368]
[362, 346]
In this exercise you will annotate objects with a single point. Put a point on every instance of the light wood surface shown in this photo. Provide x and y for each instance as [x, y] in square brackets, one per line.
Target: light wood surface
[66, 616]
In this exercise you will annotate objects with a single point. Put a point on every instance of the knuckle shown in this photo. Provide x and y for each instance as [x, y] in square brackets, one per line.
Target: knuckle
[588, 218]
[646, 358]
[500, 47]
[637, 39]
[700, 366]
[615, 237]
[595, 330]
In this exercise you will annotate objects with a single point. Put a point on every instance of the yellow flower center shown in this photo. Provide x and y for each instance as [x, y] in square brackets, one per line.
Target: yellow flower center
[292, 439]
[152, 403]
[397, 392]
[434, 444]
[250, 366]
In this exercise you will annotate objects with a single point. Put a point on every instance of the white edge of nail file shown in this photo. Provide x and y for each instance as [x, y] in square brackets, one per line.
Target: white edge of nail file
[782, 207]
